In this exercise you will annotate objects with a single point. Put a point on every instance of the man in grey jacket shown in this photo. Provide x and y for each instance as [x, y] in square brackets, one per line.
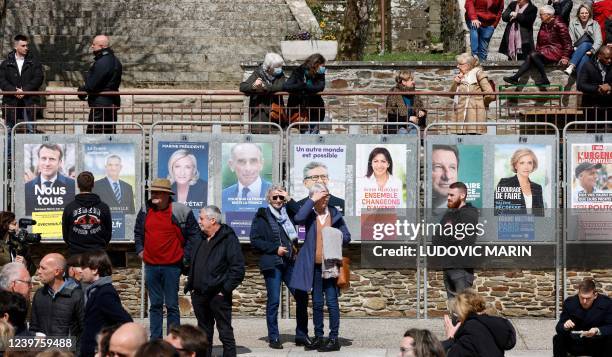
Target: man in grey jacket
[57, 307]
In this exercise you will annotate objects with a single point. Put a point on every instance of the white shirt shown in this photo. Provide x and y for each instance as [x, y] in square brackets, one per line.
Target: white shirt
[528, 201]
[254, 189]
[20, 62]
[43, 180]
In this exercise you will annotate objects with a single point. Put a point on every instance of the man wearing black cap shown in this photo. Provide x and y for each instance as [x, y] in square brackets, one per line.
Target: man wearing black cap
[164, 233]
[586, 177]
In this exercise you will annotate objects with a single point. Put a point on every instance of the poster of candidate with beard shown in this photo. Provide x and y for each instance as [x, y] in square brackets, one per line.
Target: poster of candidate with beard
[48, 187]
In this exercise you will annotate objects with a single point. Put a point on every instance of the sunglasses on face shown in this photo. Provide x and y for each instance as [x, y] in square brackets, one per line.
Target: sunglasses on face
[278, 198]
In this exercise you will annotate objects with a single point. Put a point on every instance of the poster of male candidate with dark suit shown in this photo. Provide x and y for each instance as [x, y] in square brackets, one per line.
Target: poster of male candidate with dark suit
[48, 187]
[113, 166]
[247, 172]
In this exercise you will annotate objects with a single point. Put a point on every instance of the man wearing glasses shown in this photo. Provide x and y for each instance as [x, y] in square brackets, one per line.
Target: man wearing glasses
[14, 277]
[316, 172]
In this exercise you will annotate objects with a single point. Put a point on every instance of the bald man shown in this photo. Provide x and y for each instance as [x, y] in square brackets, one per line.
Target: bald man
[127, 339]
[57, 307]
[595, 82]
[103, 76]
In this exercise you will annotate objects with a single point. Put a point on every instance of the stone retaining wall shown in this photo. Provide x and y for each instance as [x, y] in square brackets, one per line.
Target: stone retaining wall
[378, 293]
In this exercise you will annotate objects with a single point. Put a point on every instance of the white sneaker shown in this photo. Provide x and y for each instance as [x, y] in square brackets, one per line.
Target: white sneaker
[569, 70]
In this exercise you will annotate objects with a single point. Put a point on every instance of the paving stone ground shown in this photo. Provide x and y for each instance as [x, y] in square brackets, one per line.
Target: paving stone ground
[375, 337]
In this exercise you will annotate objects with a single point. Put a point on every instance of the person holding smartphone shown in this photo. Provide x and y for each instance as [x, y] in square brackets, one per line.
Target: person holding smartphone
[274, 236]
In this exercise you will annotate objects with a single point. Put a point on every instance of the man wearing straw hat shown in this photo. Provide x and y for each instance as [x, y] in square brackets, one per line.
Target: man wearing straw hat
[164, 233]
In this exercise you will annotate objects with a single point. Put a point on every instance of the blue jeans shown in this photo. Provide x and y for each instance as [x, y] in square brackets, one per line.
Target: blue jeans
[163, 285]
[479, 40]
[274, 278]
[579, 57]
[328, 287]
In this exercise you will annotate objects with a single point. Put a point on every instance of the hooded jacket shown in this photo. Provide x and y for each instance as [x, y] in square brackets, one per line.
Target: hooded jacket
[86, 224]
[482, 335]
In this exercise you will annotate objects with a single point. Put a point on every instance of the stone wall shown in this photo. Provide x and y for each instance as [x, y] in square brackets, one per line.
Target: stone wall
[430, 76]
[375, 292]
[409, 24]
[186, 43]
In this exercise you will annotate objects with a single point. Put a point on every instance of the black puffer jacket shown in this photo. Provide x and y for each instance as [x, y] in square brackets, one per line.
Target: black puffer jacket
[59, 315]
[222, 269]
[30, 79]
[482, 335]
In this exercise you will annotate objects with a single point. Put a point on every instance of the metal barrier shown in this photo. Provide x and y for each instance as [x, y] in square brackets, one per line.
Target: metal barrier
[587, 146]
[209, 146]
[47, 203]
[4, 168]
[452, 143]
[148, 106]
[336, 159]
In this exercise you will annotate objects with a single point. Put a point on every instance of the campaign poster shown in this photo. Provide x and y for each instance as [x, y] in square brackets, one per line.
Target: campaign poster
[114, 168]
[591, 176]
[452, 163]
[380, 172]
[590, 191]
[324, 164]
[246, 177]
[522, 176]
[48, 185]
[185, 164]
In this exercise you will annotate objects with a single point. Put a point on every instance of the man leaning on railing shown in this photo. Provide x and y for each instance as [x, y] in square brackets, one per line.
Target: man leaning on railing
[20, 72]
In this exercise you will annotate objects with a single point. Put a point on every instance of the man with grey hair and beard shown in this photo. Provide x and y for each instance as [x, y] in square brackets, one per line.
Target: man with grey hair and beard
[217, 268]
[317, 172]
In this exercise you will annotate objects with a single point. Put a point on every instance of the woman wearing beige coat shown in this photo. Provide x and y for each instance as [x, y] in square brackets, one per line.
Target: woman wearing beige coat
[470, 108]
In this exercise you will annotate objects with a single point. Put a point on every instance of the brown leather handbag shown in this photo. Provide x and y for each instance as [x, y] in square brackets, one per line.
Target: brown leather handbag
[344, 275]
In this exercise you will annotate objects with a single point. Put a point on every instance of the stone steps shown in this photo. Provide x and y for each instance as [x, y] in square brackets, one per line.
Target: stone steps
[192, 44]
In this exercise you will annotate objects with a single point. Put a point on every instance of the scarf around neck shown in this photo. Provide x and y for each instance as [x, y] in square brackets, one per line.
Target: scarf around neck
[283, 219]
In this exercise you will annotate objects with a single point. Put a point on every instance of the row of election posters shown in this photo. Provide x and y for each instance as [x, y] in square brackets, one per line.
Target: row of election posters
[49, 176]
[519, 178]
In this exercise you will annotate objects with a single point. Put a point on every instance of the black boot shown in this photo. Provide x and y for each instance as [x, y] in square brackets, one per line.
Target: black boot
[314, 344]
[512, 80]
[331, 345]
[275, 344]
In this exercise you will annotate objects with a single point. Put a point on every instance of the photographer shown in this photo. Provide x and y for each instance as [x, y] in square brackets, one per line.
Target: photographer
[11, 250]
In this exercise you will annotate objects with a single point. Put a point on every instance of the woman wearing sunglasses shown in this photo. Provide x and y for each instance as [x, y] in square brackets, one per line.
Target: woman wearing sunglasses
[274, 236]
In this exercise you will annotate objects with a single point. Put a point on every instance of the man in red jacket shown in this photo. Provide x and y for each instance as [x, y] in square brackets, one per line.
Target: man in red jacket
[163, 235]
[482, 16]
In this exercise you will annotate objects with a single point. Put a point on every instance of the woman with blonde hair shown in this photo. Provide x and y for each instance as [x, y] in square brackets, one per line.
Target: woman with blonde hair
[471, 108]
[586, 38]
[183, 173]
[523, 163]
[476, 333]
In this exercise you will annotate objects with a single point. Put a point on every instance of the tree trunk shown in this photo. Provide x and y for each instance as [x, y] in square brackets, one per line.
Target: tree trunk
[355, 29]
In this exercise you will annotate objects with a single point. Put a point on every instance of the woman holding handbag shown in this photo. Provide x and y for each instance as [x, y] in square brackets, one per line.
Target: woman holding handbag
[261, 87]
[586, 38]
[274, 236]
[304, 84]
[312, 269]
